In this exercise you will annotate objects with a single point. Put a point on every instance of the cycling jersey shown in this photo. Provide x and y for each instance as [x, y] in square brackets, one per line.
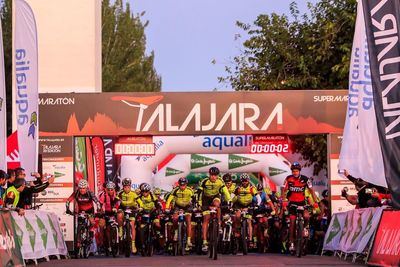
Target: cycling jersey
[210, 190]
[295, 188]
[148, 203]
[261, 199]
[244, 195]
[129, 200]
[109, 202]
[231, 188]
[182, 198]
[84, 202]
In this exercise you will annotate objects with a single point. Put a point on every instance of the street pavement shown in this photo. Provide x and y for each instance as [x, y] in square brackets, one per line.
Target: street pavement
[275, 260]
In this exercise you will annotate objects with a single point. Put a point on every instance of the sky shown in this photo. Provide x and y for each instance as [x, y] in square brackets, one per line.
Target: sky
[188, 35]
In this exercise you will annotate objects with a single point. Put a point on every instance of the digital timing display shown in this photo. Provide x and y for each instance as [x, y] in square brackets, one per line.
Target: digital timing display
[265, 144]
[134, 149]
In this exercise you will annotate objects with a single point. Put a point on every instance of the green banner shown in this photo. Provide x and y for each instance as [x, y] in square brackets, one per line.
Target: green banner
[274, 171]
[171, 172]
[80, 157]
[235, 161]
[198, 161]
[43, 231]
[10, 248]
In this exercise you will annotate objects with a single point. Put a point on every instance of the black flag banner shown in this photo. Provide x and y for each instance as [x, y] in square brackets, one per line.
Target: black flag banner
[382, 18]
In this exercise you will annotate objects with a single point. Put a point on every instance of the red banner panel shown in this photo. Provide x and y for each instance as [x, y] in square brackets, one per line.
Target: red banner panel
[386, 247]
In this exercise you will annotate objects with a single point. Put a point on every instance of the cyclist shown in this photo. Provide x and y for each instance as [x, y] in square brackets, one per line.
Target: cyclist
[294, 190]
[183, 195]
[209, 195]
[230, 185]
[150, 204]
[129, 200]
[243, 199]
[157, 194]
[110, 204]
[84, 199]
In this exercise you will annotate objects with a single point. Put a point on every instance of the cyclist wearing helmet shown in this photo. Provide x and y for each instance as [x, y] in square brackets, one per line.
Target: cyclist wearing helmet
[262, 199]
[230, 185]
[183, 196]
[157, 194]
[209, 194]
[129, 200]
[84, 199]
[110, 201]
[149, 203]
[295, 191]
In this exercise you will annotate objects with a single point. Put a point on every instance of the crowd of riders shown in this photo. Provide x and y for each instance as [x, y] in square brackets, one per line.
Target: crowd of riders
[269, 217]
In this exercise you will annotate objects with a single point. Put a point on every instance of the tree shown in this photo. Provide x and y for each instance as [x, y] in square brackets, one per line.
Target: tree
[308, 51]
[126, 68]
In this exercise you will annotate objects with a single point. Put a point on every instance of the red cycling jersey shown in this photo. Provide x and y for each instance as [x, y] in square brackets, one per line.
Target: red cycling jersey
[109, 202]
[84, 202]
[296, 188]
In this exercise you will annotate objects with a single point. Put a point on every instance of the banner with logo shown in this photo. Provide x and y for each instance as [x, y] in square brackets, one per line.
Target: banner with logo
[26, 84]
[13, 160]
[110, 162]
[90, 165]
[382, 20]
[361, 152]
[351, 231]
[39, 234]
[10, 249]
[3, 110]
[386, 248]
[80, 159]
[99, 162]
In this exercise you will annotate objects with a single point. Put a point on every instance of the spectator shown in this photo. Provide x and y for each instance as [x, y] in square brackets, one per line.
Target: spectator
[365, 190]
[11, 178]
[28, 194]
[12, 196]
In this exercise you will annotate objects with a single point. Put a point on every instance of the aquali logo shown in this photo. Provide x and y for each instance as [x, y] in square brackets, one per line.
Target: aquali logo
[235, 161]
[236, 117]
[198, 161]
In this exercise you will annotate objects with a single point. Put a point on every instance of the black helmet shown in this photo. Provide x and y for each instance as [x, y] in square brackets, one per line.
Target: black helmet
[126, 181]
[227, 178]
[325, 193]
[145, 187]
[295, 166]
[213, 171]
[183, 181]
[244, 177]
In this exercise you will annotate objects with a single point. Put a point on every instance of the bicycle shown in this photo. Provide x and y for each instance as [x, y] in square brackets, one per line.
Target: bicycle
[178, 246]
[146, 235]
[302, 232]
[198, 220]
[213, 234]
[227, 233]
[126, 238]
[83, 235]
[113, 242]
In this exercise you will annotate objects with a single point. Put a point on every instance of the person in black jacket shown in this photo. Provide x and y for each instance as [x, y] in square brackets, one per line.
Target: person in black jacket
[37, 186]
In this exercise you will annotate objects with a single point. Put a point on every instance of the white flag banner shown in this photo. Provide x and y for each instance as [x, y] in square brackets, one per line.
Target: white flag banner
[26, 84]
[361, 151]
[3, 110]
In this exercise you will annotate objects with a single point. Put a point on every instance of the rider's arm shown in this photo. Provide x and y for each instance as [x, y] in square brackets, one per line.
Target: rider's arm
[169, 200]
[139, 202]
[70, 199]
[226, 193]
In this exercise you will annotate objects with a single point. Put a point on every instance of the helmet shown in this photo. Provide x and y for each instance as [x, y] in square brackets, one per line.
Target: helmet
[213, 171]
[260, 187]
[110, 185]
[295, 166]
[227, 178]
[325, 193]
[157, 191]
[145, 187]
[244, 177]
[82, 184]
[182, 181]
[126, 181]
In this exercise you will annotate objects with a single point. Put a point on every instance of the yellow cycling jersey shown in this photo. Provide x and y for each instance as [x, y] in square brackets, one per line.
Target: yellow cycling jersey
[129, 200]
[244, 195]
[311, 202]
[213, 189]
[231, 188]
[182, 198]
[148, 203]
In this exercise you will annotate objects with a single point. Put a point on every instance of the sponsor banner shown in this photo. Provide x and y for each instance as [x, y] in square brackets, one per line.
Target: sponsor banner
[199, 161]
[361, 152]
[351, 231]
[13, 160]
[386, 248]
[172, 172]
[39, 234]
[382, 20]
[110, 162]
[62, 171]
[236, 161]
[10, 249]
[90, 165]
[99, 161]
[193, 113]
[80, 159]
[26, 84]
[3, 110]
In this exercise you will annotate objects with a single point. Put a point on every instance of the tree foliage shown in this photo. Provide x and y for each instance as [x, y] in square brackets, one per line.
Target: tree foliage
[126, 67]
[303, 51]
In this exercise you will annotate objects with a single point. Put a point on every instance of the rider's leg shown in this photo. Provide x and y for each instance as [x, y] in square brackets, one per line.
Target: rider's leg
[206, 220]
[292, 228]
[188, 218]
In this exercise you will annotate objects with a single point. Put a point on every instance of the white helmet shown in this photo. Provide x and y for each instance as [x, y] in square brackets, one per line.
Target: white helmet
[83, 184]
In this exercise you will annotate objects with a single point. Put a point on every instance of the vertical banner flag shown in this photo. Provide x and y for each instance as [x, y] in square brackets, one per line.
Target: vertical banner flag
[99, 162]
[382, 20]
[3, 111]
[90, 164]
[361, 151]
[80, 159]
[26, 84]
[109, 158]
